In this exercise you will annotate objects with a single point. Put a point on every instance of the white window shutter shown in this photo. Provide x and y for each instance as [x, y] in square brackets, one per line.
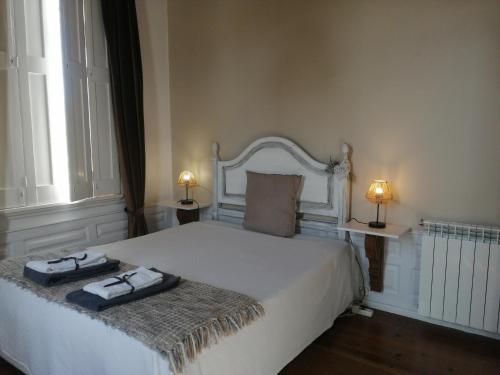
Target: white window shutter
[12, 174]
[31, 47]
[104, 150]
[77, 113]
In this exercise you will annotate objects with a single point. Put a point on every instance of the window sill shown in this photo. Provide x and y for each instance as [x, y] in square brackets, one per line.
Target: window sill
[60, 207]
[21, 218]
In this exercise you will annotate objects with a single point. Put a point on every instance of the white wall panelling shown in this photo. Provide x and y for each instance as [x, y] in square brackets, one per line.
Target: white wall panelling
[69, 238]
[401, 269]
[109, 230]
[159, 217]
[81, 224]
[54, 227]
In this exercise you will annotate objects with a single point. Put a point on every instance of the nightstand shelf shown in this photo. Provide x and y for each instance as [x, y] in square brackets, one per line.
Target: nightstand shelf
[374, 247]
[186, 213]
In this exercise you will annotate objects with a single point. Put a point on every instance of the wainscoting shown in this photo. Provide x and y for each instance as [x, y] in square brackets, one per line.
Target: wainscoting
[54, 227]
[401, 272]
[82, 224]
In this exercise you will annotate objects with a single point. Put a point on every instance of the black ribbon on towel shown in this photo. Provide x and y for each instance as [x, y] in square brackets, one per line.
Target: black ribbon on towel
[123, 280]
[77, 266]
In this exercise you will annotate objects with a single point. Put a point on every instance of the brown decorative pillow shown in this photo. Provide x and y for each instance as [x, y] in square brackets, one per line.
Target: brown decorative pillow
[271, 201]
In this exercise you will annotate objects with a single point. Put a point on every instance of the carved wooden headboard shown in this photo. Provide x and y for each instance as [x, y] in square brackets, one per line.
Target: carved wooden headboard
[324, 195]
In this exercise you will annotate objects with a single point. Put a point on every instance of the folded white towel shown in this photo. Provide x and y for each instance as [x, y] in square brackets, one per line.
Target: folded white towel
[112, 287]
[68, 263]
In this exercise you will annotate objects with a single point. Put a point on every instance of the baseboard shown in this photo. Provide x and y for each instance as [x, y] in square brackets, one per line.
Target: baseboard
[415, 315]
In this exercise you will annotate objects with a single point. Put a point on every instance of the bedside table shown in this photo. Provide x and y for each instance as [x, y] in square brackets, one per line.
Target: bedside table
[374, 247]
[186, 213]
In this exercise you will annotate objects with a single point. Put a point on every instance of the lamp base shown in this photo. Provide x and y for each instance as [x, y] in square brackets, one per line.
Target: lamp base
[186, 201]
[376, 224]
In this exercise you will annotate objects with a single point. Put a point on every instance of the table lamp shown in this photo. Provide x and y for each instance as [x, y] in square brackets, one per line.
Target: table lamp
[187, 179]
[379, 192]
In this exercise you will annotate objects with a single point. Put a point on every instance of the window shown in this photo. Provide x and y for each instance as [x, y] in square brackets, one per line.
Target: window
[57, 141]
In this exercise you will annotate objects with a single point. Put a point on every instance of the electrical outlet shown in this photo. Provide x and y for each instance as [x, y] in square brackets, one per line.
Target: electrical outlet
[363, 311]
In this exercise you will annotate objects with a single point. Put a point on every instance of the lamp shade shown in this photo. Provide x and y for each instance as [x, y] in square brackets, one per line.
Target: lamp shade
[379, 192]
[186, 178]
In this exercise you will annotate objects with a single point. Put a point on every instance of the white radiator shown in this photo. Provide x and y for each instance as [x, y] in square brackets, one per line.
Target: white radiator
[460, 275]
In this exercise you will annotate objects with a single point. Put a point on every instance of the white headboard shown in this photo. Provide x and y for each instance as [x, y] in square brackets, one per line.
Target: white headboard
[324, 193]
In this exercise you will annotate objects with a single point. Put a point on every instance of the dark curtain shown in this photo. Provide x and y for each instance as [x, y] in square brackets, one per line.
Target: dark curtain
[125, 66]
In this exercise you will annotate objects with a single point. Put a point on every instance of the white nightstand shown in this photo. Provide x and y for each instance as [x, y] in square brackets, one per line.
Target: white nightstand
[186, 213]
[374, 247]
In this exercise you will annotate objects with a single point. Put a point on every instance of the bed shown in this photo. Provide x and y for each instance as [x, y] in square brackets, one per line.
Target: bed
[303, 283]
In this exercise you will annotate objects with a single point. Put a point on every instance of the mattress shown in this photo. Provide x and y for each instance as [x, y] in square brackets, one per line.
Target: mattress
[304, 283]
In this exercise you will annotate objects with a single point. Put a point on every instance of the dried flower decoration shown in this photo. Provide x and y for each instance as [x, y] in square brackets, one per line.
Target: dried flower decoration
[331, 166]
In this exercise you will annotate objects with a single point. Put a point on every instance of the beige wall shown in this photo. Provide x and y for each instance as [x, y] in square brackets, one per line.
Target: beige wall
[413, 86]
[152, 19]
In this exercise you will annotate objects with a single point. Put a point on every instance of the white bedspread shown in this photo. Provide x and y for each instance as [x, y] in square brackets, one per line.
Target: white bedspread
[303, 284]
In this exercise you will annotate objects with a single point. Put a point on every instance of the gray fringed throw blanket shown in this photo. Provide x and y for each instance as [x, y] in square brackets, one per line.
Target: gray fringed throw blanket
[178, 323]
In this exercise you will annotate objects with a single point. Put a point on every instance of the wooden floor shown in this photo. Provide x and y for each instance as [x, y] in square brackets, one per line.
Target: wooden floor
[6, 369]
[392, 344]
[388, 344]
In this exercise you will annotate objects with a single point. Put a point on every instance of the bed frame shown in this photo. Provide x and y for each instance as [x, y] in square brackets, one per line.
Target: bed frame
[324, 195]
